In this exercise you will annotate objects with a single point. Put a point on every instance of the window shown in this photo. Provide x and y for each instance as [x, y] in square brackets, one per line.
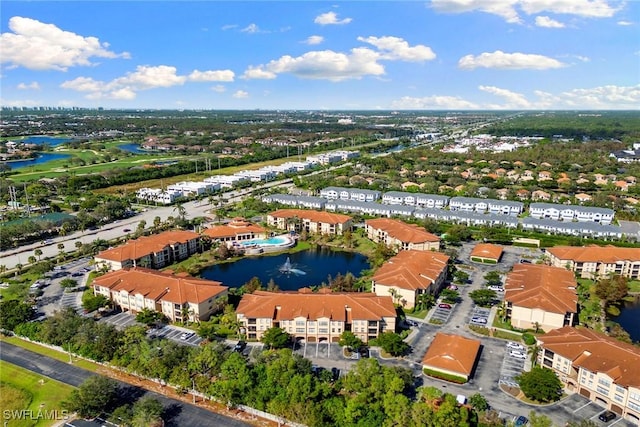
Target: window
[602, 390]
[300, 330]
[299, 322]
[604, 382]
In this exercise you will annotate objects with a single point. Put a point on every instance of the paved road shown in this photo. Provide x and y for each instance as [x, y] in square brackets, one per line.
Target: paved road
[180, 413]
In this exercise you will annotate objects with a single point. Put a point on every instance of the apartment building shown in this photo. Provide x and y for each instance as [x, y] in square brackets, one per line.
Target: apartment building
[310, 221]
[591, 262]
[596, 366]
[316, 316]
[236, 230]
[400, 235]
[361, 195]
[179, 297]
[410, 274]
[155, 251]
[541, 296]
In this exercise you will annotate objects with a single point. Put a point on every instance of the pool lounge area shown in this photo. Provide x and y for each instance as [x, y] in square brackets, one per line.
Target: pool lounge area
[271, 244]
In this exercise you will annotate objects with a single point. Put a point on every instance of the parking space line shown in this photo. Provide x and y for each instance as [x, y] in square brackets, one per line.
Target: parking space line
[583, 406]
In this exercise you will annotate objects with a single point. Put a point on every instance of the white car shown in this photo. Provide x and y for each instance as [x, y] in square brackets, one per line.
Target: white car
[515, 346]
[496, 288]
[517, 354]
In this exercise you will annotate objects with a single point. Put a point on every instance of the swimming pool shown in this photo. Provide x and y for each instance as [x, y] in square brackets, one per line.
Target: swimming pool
[271, 241]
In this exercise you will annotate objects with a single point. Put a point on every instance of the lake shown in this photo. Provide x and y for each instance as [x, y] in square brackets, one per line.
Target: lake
[316, 264]
[52, 141]
[42, 158]
[132, 148]
[629, 319]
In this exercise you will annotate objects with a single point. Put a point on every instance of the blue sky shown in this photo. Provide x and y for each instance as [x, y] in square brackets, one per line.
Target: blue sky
[367, 55]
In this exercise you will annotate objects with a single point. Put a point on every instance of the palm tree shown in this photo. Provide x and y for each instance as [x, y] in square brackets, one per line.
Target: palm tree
[501, 311]
[38, 253]
[32, 259]
[181, 211]
[99, 245]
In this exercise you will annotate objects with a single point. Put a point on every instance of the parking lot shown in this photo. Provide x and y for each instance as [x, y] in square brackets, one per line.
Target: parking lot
[479, 316]
[177, 334]
[576, 408]
[440, 315]
[512, 366]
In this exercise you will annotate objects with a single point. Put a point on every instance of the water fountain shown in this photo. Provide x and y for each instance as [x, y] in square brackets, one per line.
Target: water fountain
[287, 268]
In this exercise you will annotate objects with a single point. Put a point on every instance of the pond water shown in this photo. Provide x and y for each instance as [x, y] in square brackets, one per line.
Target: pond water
[52, 141]
[289, 271]
[132, 148]
[42, 158]
[629, 319]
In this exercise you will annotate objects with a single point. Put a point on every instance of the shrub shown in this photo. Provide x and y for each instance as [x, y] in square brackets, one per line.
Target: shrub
[528, 339]
[441, 375]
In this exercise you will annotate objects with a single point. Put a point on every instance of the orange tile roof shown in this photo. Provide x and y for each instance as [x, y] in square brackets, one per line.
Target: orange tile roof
[487, 250]
[452, 353]
[156, 285]
[232, 229]
[315, 216]
[410, 233]
[312, 306]
[596, 352]
[552, 289]
[146, 245]
[412, 270]
[593, 253]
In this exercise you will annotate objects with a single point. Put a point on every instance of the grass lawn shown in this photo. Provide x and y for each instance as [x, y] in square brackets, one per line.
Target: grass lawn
[22, 389]
[54, 354]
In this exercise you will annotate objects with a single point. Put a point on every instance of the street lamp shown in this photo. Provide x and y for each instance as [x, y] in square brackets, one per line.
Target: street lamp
[193, 389]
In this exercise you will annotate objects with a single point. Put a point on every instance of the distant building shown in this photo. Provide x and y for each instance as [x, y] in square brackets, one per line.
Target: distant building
[235, 231]
[486, 253]
[309, 221]
[542, 296]
[400, 235]
[592, 262]
[179, 297]
[155, 251]
[317, 317]
[410, 274]
[595, 366]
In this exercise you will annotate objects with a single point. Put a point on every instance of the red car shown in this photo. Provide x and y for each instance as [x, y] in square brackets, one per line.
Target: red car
[443, 305]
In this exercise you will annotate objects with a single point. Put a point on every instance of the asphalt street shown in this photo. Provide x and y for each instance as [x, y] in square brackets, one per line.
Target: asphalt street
[178, 414]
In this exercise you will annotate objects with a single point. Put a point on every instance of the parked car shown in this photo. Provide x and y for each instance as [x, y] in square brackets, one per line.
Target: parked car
[239, 346]
[186, 335]
[517, 354]
[411, 322]
[445, 305]
[496, 288]
[521, 421]
[515, 346]
[453, 287]
[607, 416]
[127, 230]
[482, 320]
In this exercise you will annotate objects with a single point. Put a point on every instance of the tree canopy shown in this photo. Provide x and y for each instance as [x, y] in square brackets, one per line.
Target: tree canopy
[540, 384]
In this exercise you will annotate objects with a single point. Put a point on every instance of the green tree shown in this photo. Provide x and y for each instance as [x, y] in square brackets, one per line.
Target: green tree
[392, 343]
[92, 397]
[38, 253]
[478, 402]
[149, 317]
[493, 278]
[13, 313]
[91, 302]
[461, 276]
[450, 296]
[147, 412]
[540, 384]
[350, 340]
[536, 420]
[276, 338]
[483, 297]
[234, 380]
[612, 289]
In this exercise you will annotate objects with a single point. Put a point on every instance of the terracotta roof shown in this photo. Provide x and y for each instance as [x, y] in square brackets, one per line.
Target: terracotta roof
[402, 231]
[452, 353]
[315, 216]
[593, 253]
[541, 286]
[596, 352]
[487, 250]
[147, 245]
[157, 285]
[232, 229]
[312, 306]
[412, 269]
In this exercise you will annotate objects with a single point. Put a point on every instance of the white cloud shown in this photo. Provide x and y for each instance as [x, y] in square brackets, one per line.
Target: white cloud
[433, 103]
[546, 22]
[325, 64]
[603, 97]
[512, 99]
[251, 29]
[395, 48]
[228, 27]
[241, 94]
[212, 76]
[625, 23]
[143, 78]
[584, 8]
[39, 46]
[259, 73]
[330, 18]
[314, 40]
[29, 86]
[508, 61]
[503, 8]
[218, 88]
[507, 9]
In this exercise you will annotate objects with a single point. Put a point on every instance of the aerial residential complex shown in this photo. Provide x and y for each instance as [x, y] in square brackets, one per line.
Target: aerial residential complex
[596, 366]
[317, 316]
[178, 296]
[299, 220]
[592, 262]
[400, 235]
